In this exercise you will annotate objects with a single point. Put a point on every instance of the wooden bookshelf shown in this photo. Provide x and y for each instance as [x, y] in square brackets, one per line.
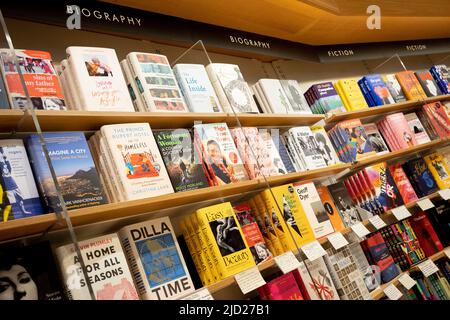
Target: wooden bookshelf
[10, 119]
[331, 118]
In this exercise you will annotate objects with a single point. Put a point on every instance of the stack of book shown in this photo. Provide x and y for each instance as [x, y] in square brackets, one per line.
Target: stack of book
[428, 84]
[396, 131]
[394, 87]
[375, 90]
[323, 98]
[350, 94]
[441, 75]
[410, 85]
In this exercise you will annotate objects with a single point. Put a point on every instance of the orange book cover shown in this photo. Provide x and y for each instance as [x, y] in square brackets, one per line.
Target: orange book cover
[331, 209]
[410, 85]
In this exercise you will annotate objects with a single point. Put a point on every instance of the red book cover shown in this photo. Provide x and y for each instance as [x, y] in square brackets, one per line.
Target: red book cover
[403, 184]
[301, 284]
[428, 239]
[401, 131]
[283, 288]
[438, 117]
[379, 253]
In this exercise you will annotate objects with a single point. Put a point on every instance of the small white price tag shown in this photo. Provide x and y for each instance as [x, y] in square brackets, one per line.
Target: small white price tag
[445, 194]
[406, 280]
[392, 292]
[377, 222]
[401, 213]
[337, 240]
[447, 252]
[249, 280]
[425, 204]
[428, 268]
[360, 230]
[201, 294]
[287, 262]
[313, 250]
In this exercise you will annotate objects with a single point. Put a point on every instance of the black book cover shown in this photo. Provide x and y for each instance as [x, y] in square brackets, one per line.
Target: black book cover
[439, 217]
[420, 177]
[428, 84]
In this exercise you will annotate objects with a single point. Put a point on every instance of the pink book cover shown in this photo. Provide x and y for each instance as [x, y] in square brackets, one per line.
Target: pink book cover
[284, 288]
[403, 184]
[245, 152]
[417, 128]
[401, 131]
[388, 137]
[438, 118]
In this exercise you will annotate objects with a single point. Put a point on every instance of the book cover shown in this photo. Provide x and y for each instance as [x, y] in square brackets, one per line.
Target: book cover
[270, 158]
[314, 209]
[410, 85]
[354, 139]
[283, 287]
[231, 89]
[366, 266]
[441, 75]
[307, 147]
[403, 184]
[98, 79]
[439, 169]
[40, 77]
[249, 144]
[29, 273]
[401, 131]
[18, 179]
[275, 96]
[196, 88]
[138, 164]
[428, 84]
[74, 168]
[343, 203]
[219, 152]
[4, 102]
[325, 146]
[394, 87]
[420, 134]
[284, 153]
[378, 90]
[106, 267]
[327, 97]
[352, 93]
[132, 86]
[375, 138]
[438, 118]
[182, 160]
[332, 211]
[295, 96]
[428, 239]
[439, 217]
[420, 176]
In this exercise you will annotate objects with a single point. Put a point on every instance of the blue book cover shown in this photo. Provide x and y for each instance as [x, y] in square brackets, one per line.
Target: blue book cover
[284, 155]
[74, 168]
[420, 176]
[380, 255]
[441, 75]
[365, 93]
[378, 90]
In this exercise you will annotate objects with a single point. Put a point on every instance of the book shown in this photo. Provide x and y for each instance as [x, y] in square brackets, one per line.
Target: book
[348, 212]
[29, 273]
[4, 102]
[351, 94]
[98, 79]
[284, 153]
[324, 98]
[18, 179]
[439, 169]
[295, 96]
[324, 145]
[354, 140]
[275, 96]
[378, 90]
[438, 117]
[314, 209]
[401, 131]
[155, 260]
[271, 158]
[410, 85]
[307, 147]
[394, 87]
[74, 167]
[40, 78]
[420, 134]
[420, 177]
[403, 184]
[132, 86]
[196, 88]
[231, 89]
[375, 138]
[183, 162]
[219, 153]
[283, 287]
[137, 162]
[106, 267]
[441, 75]
[428, 84]
[428, 239]
[332, 211]
[439, 216]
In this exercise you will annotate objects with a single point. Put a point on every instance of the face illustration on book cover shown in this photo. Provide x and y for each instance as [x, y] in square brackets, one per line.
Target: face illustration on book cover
[140, 164]
[227, 235]
[348, 211]
[323, 148]
[358, 140]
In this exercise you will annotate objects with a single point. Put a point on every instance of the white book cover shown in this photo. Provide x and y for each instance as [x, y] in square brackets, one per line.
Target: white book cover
[260, 97]
[106, 267]
[98, 79]
[155, 260]
[271, 153]
[137, 160]
[295, 96]
[417, 128]
[156, 82]
[132, 87]
[275, 96]
[70, 86]
[325, 146]
[18, 179]
[231, 89]
[314, 209]
[287, 140]
[196, 88]
[307, 147]
[62, 81]
[371, 279]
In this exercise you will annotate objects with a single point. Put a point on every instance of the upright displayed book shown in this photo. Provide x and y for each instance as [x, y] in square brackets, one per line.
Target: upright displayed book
[394, 87]
[132, 86]
[29, 273]
[4, 102]
[18, 179]
[437, 118]
[98, 79]
[439, 216]
[347, 210]
[441, 75]
[196, 88]
[377, 90]
[420, 177]
[439, 169]
[272, 156]
[332, 211]
[322, 98]
[136, 160]
[106, 267]
[231, 89]
[283, 287]
[306, 147]
[295, 96]
[183, 161]
[410, 85]
[74, 168]
[156, 263]
[219, 153]
[428, 239]
[417, 128]
[428, 84]
[350, 94]
[274, 95]
[324, 145]
[403, 184]
[375, 138]
[40, 77]
[5, 206]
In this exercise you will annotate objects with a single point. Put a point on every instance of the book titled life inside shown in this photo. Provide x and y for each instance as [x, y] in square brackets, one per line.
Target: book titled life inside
[98, 79]
[106, 267]
[74, 168]
[183, 162]
[40, 77]
[18, 179]
[155, 259]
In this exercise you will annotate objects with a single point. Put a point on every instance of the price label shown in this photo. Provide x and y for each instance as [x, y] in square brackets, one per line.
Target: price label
[201, 294]
[445, 194]
[249, 280]
[360, 230]
[392, 292]
[428, 268]
[406, 280]
[401, 213]
[377, 222]
[337, 240]
[287, 262]
[425, 204]
[313, 250]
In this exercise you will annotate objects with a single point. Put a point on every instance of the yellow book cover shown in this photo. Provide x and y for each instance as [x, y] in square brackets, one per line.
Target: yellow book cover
[228, 243]
[352, 92]
[273, 231]
[439, 169]
[338, 88]
[261, 226]
[288, 207]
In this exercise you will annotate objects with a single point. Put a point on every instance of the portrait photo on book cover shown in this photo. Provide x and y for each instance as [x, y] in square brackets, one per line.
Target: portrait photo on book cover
[97, 66]
[227, 235]
[222, 169]
[260, 253]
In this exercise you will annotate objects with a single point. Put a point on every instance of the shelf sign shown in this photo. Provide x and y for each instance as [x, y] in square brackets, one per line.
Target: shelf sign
[287, 262]
[360, 230]
[201, 294]
[249, 280]
[377, 222]
[337, 240]
[428, 268]
[313, 250]
[425, 204]
[401, 213]
[445, 194]
[392, 292]
[406, 280]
